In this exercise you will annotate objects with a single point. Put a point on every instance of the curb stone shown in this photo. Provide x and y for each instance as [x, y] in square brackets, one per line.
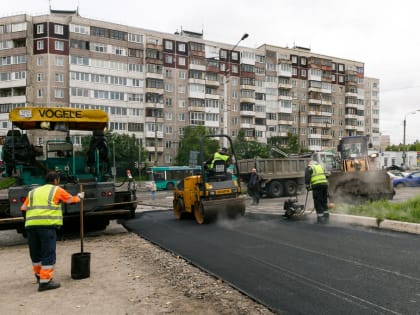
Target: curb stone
[398, 226]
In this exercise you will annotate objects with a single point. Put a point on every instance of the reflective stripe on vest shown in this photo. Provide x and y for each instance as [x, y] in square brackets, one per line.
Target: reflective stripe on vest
[41, 207]
[217, 156]
[318, 175]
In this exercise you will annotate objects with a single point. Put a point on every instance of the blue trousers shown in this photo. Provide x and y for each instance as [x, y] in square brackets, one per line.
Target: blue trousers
[42, 245]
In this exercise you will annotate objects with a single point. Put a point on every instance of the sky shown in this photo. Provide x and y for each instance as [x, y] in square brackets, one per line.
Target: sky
[381, 34]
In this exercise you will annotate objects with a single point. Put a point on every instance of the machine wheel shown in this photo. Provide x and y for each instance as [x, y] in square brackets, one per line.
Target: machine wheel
[290, 188]
[275, 189]
[179, 209]
[170, 186]
[199, 213]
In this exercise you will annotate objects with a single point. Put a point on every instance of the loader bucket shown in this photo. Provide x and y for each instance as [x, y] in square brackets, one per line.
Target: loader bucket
[358, 187]
[209, 210]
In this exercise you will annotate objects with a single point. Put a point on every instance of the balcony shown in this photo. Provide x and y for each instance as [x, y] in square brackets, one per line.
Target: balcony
[152, 119]
[13, 84]
[212, 124]
[314, 136]
[154, 105]
[196, 94]
[153, 134]
[154, 75]
[247, 87]
[244, 99]
[16, 99]
[350, 127]
[285, 97]
[197, 109]
[196, 81]
[193, 66]
[247, 113]
[285, 85]
[315, 148]
[212, 83]
[154, 90]
[154, 149]
[213, 96]
[286, 122]
[351, 94]
[246, 125]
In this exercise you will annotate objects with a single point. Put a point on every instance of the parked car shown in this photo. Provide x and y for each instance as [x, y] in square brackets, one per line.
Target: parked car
[397, 174]
[395, 168]
[411, 180]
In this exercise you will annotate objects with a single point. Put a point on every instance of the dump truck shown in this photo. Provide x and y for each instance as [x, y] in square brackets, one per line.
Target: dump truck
[280, 176]
[40, 141]
[213, 193]
[357, 178]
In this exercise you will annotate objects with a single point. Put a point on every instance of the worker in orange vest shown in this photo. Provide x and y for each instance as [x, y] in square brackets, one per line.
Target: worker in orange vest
[43, 216]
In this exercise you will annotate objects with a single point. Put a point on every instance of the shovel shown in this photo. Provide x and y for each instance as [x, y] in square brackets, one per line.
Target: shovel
[80, 262]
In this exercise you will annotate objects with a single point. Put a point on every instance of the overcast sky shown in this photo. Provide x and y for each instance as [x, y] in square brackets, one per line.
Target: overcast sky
[382, 34]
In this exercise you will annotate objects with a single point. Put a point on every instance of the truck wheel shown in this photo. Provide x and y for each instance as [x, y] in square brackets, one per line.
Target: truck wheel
[290, 188]
[275, 189]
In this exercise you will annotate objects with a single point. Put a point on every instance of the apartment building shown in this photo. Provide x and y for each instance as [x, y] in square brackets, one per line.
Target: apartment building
[155, 84]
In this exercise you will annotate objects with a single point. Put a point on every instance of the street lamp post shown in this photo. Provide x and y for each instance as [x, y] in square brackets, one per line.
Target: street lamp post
[404, 156]
[225, 94]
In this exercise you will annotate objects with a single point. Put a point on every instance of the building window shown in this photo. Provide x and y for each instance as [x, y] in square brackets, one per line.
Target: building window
[169, 59]
[39, 45]
[40, 29]
[235, 55]
[59, 93]
[169, 45]
[59, 45]
[136, 38]
[40, 77]
[59, 61]
[40, 61]
[40, 93]
[181, 47]
[59, 77]
[181, 61]
[58, 29]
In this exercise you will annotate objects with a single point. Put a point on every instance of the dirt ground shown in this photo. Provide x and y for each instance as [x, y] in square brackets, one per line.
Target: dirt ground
[129, 275]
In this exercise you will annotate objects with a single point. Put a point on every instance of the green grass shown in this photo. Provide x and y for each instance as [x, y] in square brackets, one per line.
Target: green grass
[406, 211]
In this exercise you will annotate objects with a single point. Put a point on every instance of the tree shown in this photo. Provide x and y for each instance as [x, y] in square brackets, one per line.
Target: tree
[249, 149]
[191, 140]
[125, 147]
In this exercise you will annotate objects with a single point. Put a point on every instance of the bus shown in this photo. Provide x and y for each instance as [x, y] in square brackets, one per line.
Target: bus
[166, 177]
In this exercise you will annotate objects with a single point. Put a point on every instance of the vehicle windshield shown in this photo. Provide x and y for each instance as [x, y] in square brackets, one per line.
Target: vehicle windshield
[353, 150]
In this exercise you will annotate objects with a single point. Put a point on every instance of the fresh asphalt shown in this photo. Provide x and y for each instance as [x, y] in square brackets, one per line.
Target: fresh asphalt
[297, 266]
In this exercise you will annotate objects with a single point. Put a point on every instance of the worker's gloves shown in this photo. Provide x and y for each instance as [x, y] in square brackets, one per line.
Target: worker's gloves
[308, 187]
[81, 195]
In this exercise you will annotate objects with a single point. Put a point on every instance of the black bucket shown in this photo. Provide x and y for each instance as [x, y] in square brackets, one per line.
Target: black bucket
[80, 266]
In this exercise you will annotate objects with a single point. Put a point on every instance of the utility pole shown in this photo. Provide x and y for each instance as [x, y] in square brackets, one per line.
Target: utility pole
[404, 155]
[225, 93]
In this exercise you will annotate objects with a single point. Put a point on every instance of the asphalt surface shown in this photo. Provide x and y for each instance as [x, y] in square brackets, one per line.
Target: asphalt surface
[297, 266]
